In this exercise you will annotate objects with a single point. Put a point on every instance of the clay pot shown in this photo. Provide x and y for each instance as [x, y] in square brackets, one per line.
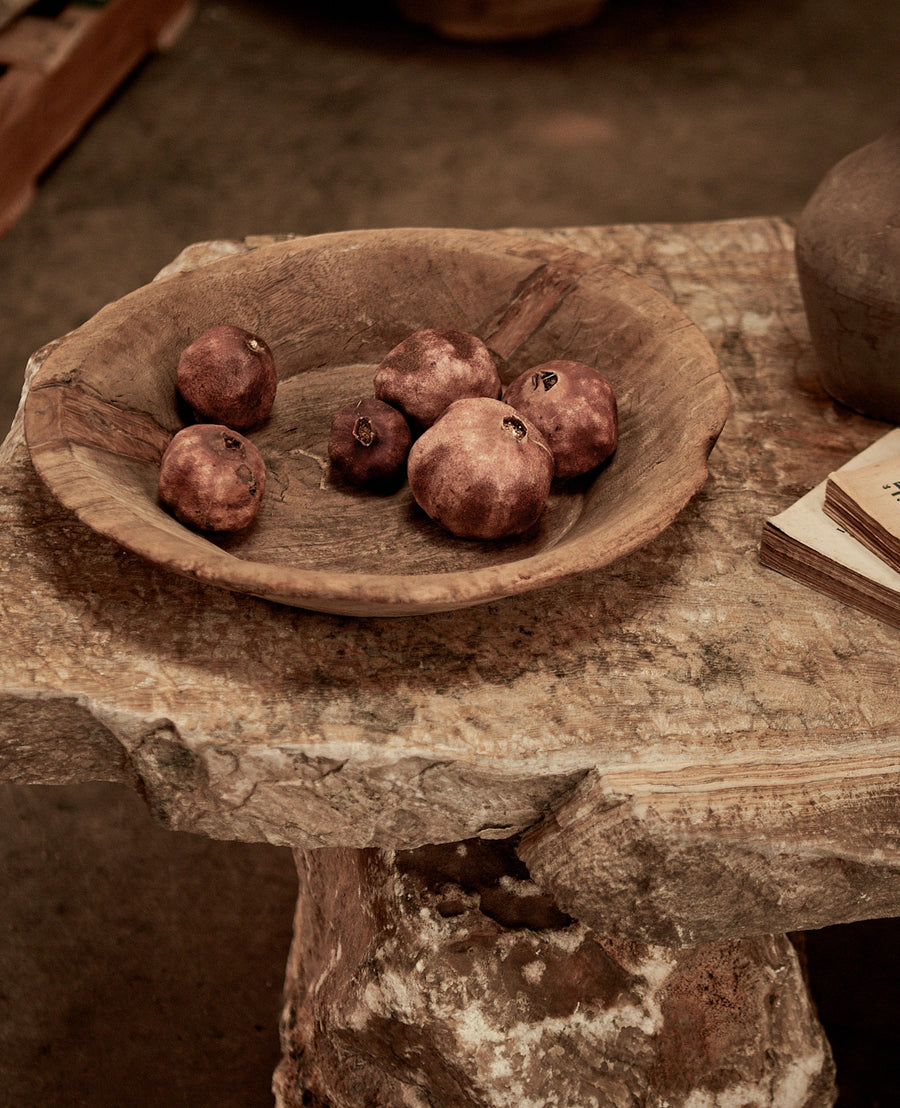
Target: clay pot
[848, 262]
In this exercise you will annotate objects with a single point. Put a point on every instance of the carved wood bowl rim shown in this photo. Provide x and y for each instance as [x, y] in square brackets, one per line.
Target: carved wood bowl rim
[102, 407]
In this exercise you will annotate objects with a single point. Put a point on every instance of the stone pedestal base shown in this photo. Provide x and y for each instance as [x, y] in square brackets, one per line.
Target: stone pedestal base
[444, 978]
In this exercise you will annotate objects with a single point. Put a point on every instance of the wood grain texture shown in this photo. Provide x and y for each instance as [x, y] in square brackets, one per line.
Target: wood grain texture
[61, 70]
[9, 9]
[707, 713]
[330, 308]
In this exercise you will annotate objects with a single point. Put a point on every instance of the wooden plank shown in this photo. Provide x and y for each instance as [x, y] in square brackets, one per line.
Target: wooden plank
[18, 86]
[9, 9]
[44, 44]
[61, 74]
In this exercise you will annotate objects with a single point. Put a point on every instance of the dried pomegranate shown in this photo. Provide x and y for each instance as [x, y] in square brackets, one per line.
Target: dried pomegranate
[212, 478]
[430, 369]
[368, 445]
[574, 406]
[483, 470]
[227, 375]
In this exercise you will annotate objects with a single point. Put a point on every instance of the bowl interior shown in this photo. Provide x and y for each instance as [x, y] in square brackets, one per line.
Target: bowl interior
[104, 405]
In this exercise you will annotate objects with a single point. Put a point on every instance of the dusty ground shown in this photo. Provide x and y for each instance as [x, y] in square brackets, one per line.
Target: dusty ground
[141, 967]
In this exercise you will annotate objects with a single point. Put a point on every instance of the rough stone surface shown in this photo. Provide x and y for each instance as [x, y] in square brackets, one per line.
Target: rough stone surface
[710, 700]
[659, 111]
[445, 978]
[669, 859]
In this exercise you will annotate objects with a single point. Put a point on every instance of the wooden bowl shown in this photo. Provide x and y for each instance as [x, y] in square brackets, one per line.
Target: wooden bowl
[103, 406]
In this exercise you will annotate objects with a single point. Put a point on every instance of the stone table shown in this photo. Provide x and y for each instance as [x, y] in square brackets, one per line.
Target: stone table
[549, 848]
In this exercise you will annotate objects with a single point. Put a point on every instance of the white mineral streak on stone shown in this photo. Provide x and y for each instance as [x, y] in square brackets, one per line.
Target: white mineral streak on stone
[655, 967]
[334, 960]
[792, 1088]
[228, 777]
[738, 1096]
[483, 1033]
[752, 323]
[357, 1018]
[795, 1083]
[565, 939]
[640, 810]
[527, 1041]
[534, 971]
[519, 887]
[481, 1001]
[500, 1068]
[400, 992]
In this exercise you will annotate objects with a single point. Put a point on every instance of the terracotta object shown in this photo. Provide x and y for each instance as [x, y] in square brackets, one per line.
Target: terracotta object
[848, 262]
[496, 20]
[104, 406]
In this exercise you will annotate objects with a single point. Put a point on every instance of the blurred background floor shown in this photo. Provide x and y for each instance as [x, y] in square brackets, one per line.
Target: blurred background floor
[143, 967]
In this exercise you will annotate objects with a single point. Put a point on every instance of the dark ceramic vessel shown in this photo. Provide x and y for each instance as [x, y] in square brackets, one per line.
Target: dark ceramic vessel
[848, 262]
